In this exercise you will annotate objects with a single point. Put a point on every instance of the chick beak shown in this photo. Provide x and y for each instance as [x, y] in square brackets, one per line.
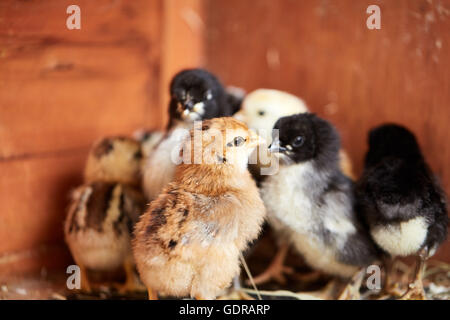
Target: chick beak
[255, 140]
[275, 147]
[188, 105]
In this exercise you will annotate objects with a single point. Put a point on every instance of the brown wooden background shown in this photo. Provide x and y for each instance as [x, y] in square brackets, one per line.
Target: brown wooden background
[61, 89]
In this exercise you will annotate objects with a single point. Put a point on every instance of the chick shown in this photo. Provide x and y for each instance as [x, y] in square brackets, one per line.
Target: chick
[149, 140]
[263, 107]
[260, 110]
[400, 198]
[312, 201]
[115, 159]
[104, 210]
[196, 95]
[189, 240]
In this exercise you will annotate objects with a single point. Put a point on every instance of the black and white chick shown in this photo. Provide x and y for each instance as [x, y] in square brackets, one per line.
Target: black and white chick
[401, 200]
[311, 202]
[103, 211]
[260, 109]
[196, 95]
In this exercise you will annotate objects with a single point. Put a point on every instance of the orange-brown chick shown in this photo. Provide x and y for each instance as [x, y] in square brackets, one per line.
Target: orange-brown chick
[189, 241]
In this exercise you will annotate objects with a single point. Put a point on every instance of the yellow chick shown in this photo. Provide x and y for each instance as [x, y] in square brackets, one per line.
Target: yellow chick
[263, 107]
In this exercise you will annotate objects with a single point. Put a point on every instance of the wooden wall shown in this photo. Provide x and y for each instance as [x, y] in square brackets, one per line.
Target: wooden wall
[353, 76]
[61, 89]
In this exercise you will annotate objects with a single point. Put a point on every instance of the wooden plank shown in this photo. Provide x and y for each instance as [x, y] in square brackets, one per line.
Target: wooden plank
[353, 76]
[59, 97]
[61, 89]
[34, 197]
[102, 21]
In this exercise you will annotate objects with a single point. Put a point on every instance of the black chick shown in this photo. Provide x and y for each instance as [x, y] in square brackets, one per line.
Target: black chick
[311, 202]
[196, 94]
[401, 199]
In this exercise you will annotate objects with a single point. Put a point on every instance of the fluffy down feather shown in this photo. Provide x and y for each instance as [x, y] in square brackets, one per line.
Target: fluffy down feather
[313, 200]
[188, 242]
[399, 196]
[99, 224]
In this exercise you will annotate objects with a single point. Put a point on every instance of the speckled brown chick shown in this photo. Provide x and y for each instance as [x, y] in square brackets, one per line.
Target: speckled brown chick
[189, 240]
[114, 159]
[104, 210]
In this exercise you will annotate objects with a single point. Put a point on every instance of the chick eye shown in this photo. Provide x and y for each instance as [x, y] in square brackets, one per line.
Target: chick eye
[137, 154]
[238, 141]
[261, 113]
[298, 141]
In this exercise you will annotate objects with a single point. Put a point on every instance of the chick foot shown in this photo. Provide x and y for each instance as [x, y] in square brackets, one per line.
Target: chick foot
[415, 289]
[152, 294]
[391, 291]
[390, 288]
[276, 269]
[351, 290]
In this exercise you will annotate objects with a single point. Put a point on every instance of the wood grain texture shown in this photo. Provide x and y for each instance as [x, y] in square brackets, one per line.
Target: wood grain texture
[60, 90]
[355, 77]
[63, 97]
[102, 21]
[79, 84]
[34, 194]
